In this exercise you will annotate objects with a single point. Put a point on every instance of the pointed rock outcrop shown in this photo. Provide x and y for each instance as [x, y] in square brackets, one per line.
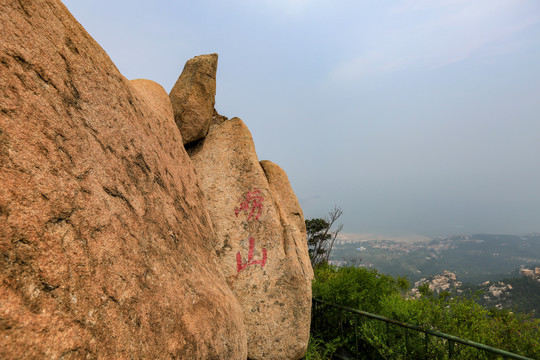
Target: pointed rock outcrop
[260, 240]
[193, 97]
[105, 238]
[291, 215]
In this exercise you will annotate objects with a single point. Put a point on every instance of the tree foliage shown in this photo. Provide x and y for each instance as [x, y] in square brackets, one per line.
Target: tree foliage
[320, 238]
[368, 290]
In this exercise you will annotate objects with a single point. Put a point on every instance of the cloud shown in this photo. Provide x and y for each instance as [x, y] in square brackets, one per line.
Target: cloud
[289, 5]
[284, 7]
[370, 64]
[431, 34]
[407, 6]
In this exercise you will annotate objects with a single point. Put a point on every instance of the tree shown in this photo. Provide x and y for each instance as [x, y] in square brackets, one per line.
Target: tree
[319, 237]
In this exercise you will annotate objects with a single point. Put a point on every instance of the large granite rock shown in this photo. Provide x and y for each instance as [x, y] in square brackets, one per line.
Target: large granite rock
[193, 97]
[291, 215]
[260, 240]
[105, 242]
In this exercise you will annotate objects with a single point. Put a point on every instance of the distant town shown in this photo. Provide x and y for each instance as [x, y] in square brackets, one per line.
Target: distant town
[474, 258]
[533, 274]
[504, 269]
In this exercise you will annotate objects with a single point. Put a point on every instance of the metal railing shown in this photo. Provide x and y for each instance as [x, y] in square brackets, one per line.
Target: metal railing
[449, 339]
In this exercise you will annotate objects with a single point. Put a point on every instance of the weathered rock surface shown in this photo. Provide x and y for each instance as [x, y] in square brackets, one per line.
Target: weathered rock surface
[155, 97]
[105, 243]
[217, 120]
[291, 215]
[257, 226]
[193, 97]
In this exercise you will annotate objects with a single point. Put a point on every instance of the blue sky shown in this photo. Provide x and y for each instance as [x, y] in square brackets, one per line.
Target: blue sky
[416, 117]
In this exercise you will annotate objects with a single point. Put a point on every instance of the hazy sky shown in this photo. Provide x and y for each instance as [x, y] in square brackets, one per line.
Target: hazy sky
[414, 116]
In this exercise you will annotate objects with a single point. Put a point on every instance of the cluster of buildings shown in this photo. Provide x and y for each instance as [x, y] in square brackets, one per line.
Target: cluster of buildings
[534, 274]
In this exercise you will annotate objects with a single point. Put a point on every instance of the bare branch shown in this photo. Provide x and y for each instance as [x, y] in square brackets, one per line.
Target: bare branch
[335, 234]
[321, 239]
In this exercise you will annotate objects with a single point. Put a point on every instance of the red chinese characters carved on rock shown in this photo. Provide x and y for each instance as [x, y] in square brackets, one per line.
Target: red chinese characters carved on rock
[252, 203]
[241, 266]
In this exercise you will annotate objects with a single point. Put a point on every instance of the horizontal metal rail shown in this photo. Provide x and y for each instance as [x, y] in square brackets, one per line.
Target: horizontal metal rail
[451, 339]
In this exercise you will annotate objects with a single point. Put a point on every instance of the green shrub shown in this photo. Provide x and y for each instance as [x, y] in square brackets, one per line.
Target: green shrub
[360, 288]
[321, 350]
[365, 289]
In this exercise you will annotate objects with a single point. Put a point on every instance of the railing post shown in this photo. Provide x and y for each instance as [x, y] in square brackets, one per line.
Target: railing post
[313, 316]
[387, 334]
[314, 313]
[341, 321]
[450, 349]
[356, 335]
[406, 342]
[426, 341]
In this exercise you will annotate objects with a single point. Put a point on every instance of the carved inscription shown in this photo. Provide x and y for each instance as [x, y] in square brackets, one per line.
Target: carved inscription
[241, 266]
[252, 205]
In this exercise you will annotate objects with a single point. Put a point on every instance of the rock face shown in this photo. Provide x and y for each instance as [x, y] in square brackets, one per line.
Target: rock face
[112, 243]
[193, 97]
[260, 237]
[291, 215]
[105, 240]
[446, 281]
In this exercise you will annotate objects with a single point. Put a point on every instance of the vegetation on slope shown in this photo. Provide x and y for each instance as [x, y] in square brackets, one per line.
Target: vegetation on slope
[368, 290]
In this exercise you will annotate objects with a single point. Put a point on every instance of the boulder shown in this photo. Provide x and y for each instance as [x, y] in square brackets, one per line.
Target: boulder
[193, 97]
[259, 240]
[291, 215]
[155, 97]
[105, 241]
